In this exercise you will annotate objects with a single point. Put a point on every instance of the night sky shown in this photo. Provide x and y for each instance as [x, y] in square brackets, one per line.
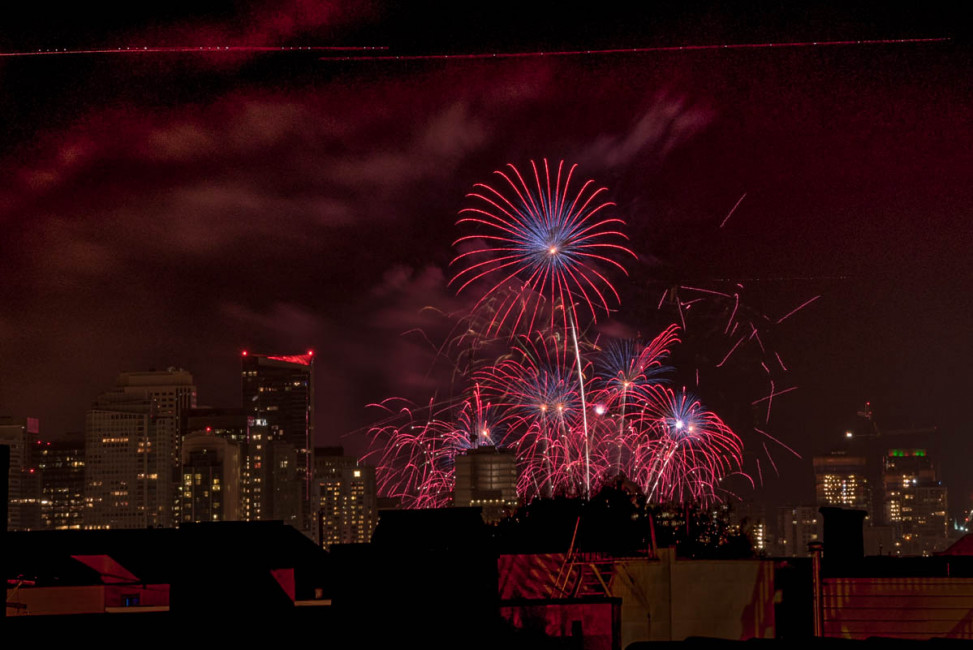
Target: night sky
[174, 209]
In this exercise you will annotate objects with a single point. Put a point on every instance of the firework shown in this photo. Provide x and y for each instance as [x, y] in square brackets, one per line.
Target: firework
[577, 413]
[550, 245]
[685, 450]
[627, 371]
[542, 413]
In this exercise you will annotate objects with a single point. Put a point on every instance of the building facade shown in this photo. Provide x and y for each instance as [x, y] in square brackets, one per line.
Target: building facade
[21, 436]
[210, 478]
[345, 498]
[61, 464]
[841, 480]
[278, 402]
[915, 502]
[486, 477]
[132, 444]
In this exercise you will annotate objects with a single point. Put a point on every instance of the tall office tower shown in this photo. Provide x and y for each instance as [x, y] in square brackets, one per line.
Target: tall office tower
[278, 400]
[21, 436]
[229, 424]
[487, 477]
[841, 480]
[61, 464]
[915, 502]
[132, 450]
[345, 498]
[210, 478]
[798, 526]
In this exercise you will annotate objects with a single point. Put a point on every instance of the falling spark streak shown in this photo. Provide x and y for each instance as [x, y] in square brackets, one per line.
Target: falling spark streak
[770, 458]
[770, 398]
[728, 354]
[764, 433]
[780, 361]
[755, 335]
[760, 474]
[732, 210]
[799, 308]
[772, 395]
[662, 299]
[637, 50]
[736, 304]
[710, 291]
[584, 414]
[194, 49]
[770, 402]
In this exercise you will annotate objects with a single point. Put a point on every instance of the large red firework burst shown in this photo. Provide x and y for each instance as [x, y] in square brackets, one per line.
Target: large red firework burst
[553, 245]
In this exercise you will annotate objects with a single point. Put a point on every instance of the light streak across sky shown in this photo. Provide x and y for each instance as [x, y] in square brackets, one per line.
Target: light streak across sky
[193, 49]
[636, 50]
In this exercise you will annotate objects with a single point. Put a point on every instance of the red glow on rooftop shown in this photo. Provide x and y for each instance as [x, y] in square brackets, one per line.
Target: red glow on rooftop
[302, 359]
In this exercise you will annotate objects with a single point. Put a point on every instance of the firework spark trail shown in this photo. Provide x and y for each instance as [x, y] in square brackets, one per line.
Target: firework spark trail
[730, 353]
[797, 309]
[729, 321]
[733, 209]
[772, 395]
[754, 334]
[770, 458]
[584, 414]
[770, 437]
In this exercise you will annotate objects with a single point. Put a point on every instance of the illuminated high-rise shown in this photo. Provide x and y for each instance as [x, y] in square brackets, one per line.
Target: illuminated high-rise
[915, 502]
[278, 402]
[61, 464]
[21, 435]
[210, 488]
[841, 480]
[132, 441]
[345, 498]
[228, 424]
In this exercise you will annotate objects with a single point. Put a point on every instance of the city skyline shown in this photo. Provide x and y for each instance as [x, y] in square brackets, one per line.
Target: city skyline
[194, 207]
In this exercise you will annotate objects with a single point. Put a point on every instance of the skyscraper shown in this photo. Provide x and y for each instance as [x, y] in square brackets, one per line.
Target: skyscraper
[841, 480]
[345, 499]
[229, 424]
[798, 526]
[278, 400]
[21, 435]
[915, 502]
[210, 478]
[132, 440]
[61, 464]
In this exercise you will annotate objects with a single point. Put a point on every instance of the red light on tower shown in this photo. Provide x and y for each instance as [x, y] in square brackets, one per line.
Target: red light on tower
[244, 353]
[310, 353]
